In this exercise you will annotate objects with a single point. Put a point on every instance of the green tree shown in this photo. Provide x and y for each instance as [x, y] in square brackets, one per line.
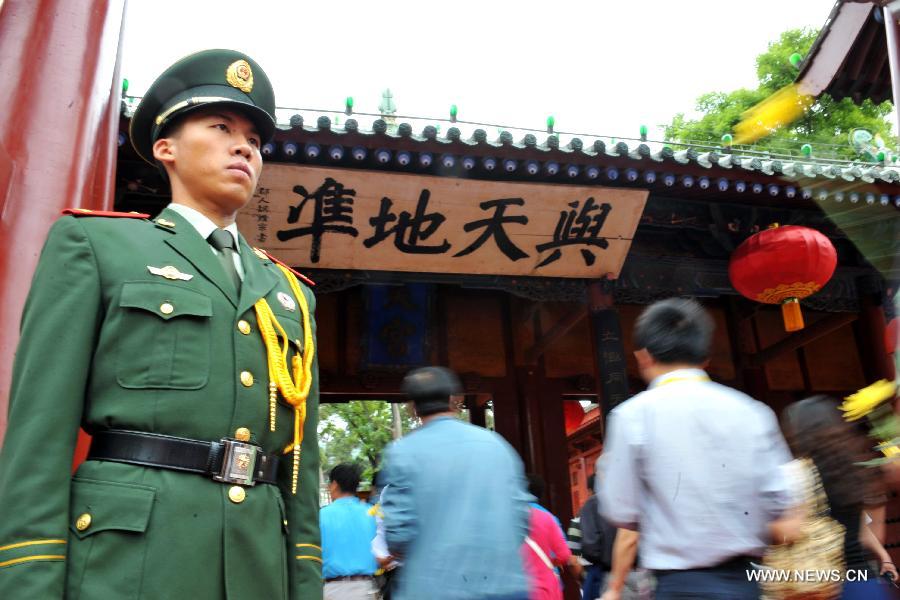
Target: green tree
[826, 124]
[357, 432]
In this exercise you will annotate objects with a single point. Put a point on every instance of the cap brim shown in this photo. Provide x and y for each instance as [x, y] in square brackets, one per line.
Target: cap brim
[145, 128]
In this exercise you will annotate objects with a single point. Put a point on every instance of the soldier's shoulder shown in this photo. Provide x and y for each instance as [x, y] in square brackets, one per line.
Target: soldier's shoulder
[111, 214]
[81, 221]
[99, 220]
[266, 255]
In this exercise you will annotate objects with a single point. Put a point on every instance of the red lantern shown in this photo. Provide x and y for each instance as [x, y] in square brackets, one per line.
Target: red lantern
[782, 265]
[574, 414]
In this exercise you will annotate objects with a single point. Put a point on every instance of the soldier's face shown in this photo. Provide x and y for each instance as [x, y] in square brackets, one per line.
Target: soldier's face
[214, 158]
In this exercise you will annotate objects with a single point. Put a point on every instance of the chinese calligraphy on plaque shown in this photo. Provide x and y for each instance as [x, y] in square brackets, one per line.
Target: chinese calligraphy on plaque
[347, 219]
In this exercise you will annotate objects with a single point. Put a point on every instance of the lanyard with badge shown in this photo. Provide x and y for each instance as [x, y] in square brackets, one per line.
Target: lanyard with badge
[680, 378]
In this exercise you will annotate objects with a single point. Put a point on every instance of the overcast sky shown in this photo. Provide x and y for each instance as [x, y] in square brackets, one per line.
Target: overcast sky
[600, 67]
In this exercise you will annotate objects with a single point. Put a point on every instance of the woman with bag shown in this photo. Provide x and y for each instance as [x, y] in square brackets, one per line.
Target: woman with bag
[545, 549]
[828, 452]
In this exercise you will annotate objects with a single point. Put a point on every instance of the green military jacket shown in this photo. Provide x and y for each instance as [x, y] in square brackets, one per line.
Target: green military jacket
[97, 350]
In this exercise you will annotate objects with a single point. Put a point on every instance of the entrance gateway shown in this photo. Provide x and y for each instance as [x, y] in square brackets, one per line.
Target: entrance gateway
[522, 266]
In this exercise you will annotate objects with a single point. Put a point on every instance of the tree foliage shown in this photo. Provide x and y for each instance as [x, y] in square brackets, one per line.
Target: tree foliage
[826, 123]
[357, 432]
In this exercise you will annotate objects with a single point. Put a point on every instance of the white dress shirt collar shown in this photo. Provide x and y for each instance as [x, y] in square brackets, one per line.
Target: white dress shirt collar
[204, 224]
[679, 375]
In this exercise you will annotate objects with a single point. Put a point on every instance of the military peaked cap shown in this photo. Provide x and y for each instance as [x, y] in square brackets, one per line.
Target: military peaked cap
[207, 77]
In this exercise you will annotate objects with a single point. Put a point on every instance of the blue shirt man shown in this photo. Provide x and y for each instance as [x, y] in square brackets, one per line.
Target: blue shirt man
[456, 509]
[347, 532]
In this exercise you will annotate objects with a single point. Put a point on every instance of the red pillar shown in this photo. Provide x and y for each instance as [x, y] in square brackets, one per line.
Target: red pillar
[892, 32]
[58, 136]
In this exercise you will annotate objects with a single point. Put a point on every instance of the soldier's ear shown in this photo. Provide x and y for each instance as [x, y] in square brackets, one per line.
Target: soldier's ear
[164, 150]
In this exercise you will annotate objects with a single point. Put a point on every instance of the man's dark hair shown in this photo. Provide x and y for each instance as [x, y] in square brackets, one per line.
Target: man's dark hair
[430, 389]
[346, 476]
[536, 486]
[673, 331]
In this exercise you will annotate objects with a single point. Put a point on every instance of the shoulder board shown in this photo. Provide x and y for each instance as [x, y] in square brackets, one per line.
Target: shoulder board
[263, 254]
[86, 212]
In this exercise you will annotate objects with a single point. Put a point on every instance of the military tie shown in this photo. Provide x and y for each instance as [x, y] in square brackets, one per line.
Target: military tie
[223, 241]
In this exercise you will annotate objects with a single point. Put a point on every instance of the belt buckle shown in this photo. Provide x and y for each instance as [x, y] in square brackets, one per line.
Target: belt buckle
[238, 463]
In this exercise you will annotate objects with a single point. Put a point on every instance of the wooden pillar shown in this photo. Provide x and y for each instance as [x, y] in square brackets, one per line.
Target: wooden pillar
[892, 33]
[870, 330]
[609, 350]
[530, 384]
[507, 408]
[530, 411]
[545, 430]
[751, 377]
[476, 410]
[58, 135]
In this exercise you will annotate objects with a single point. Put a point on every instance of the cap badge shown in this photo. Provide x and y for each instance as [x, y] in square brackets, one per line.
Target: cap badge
[286, 301]
[239, 75]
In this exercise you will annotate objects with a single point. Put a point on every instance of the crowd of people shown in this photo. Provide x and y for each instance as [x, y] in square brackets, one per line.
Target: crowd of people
[694, 488]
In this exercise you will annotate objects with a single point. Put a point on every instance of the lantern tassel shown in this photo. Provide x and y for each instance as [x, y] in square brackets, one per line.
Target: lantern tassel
[793, 317]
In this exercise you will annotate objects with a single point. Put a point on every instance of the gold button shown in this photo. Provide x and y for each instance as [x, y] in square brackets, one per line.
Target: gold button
[83, 522]
[244, 327]
[166, 308]
[247, 378]
[237, 494]
[242, 434]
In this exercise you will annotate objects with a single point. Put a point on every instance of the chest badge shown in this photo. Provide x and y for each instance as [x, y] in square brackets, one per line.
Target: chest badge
[170, 272]
[286, 301]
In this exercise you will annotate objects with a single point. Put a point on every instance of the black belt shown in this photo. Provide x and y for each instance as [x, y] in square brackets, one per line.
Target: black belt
[737, 563]
[350, 578]
[227, 460]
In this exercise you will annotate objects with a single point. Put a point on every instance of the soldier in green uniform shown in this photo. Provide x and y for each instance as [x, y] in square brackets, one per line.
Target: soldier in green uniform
[190, 358]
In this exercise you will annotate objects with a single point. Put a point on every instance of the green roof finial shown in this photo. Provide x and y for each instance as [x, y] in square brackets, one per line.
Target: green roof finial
[453, 111]
[124, 86]
[806, 149]
[550, 123]
[727, 140]
[881, 155]
[348, 105]
[387, 106]
[796, 58]
[643, 131]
